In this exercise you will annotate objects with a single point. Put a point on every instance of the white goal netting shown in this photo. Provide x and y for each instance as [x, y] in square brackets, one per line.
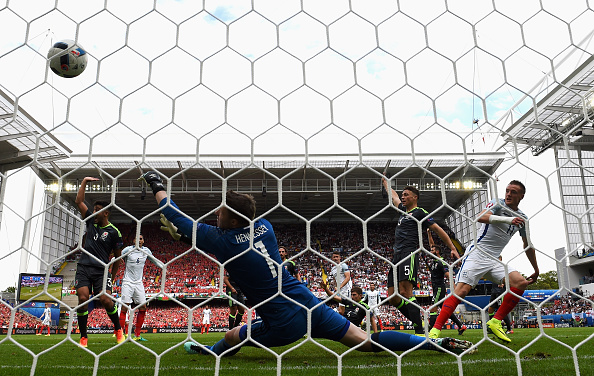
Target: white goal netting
[304, 104]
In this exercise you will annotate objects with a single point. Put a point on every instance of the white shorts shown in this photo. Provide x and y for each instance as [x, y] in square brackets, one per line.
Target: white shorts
[47, 322]
[476, 267]
[345, 293]
[133, 292]
[206, 320]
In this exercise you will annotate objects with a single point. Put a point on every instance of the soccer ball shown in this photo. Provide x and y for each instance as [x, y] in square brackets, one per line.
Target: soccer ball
[69, 64]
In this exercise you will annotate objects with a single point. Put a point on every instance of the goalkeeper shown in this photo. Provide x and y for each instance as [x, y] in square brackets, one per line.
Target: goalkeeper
[256, 267]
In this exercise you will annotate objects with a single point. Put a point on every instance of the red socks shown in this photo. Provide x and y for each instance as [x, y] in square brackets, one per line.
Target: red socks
[123, 322]
[509, 302]
[449, 306]
[139, 321]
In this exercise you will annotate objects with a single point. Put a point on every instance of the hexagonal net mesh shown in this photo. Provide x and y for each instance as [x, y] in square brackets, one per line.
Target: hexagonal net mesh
[307, 106]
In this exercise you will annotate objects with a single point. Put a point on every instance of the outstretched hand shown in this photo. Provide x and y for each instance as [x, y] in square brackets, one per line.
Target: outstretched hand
[149, 177]
[170, 228]
[455, 255]
[153, 180]
[532, 279]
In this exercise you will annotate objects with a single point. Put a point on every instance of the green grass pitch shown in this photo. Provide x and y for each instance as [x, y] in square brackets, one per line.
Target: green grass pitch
[544, 357]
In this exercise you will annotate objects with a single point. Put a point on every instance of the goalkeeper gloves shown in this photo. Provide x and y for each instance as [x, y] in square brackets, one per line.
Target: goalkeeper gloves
[153, 179]
[169, 227]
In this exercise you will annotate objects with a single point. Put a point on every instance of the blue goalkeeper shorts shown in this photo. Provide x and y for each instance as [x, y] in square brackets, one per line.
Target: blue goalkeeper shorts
[326, 323]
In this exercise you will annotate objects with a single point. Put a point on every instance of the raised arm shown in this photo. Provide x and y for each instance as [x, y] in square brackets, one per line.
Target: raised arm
[394, 196]
[531, 254]
[487, 216]
[80, 195]
[446, 239]
[430, 238]
[180, 223]
[347, 278]
[329, 292]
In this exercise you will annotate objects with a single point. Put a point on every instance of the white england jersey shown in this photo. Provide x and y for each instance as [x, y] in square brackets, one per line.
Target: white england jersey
[206, 316]
[338, 273]
[493, 237]
[206, 313]
[47, 316]
[372, 297]
[135, 259]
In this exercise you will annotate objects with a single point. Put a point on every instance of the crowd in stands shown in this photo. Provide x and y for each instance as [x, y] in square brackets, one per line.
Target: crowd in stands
[586, 280]
[585, 252]
[168, 316]
[568, 304]
[191, 272]
[21, 319]
[188, 271]
[367, 266]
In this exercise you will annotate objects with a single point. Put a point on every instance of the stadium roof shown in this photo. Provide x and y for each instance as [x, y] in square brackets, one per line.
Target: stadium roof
[307, 187]
[566, 110]
[19, 135]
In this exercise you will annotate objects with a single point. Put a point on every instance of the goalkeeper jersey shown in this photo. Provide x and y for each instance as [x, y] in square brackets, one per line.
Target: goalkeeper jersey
[256, 271]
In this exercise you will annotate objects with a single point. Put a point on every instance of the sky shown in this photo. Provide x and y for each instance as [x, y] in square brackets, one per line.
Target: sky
[331, 77]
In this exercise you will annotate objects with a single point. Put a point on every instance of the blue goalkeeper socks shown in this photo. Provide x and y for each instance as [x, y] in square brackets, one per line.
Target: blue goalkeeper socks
[397, 341]
[222, 346]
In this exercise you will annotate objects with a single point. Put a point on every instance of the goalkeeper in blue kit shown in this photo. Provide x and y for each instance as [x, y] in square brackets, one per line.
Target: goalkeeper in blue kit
[256, 267]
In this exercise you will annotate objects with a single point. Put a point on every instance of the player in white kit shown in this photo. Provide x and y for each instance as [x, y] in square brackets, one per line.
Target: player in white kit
[206, 312]
[500, 221]
[47, 320]
[372, 298]
[342, 276]
[132, 287]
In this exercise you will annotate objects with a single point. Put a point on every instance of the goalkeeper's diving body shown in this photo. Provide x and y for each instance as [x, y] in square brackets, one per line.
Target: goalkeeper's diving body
[256, 267]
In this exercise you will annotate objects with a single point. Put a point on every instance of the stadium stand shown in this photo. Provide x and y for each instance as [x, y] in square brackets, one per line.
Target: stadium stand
[21, 319]
[193, 273]
[166, 316]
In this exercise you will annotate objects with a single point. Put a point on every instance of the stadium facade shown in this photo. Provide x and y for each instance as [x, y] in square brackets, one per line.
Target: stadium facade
[561, 121]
